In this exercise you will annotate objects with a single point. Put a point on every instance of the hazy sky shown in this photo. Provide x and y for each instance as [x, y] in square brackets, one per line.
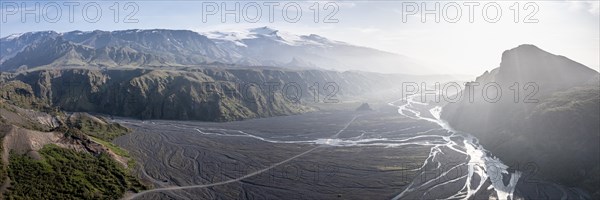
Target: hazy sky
[569, 28]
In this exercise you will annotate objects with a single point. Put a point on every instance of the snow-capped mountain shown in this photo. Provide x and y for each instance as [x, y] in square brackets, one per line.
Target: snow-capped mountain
[267, 44]
[240, 37]
[15, 43]
[261, 46]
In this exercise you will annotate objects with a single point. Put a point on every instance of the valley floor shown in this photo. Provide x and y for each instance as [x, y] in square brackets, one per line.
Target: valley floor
[379, 154]
[197, 153]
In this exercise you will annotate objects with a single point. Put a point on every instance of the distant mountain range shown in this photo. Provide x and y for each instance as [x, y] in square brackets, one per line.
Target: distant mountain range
[261, 46]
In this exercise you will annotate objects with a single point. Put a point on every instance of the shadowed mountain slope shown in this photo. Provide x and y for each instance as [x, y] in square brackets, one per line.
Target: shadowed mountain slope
[552, 122]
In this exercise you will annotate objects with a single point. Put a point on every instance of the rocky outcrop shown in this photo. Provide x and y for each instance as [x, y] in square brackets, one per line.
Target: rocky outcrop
[551, 123]
[364, 107]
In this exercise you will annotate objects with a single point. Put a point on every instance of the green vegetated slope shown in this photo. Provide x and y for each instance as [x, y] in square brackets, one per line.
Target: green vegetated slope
[55, 155]
[3, 167]
[68, 174]
[96, 127]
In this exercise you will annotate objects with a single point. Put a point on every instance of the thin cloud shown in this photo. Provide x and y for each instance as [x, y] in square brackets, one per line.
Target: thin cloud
[592, 7]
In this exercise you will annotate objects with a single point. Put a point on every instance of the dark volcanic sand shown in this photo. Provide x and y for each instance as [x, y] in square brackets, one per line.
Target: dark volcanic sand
[323, 155]
[174, 153]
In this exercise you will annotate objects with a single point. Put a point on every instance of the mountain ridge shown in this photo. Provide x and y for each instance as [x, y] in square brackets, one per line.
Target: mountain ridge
[263, 46]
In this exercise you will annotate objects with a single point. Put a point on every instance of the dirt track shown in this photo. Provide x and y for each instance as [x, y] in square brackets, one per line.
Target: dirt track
[189, 160]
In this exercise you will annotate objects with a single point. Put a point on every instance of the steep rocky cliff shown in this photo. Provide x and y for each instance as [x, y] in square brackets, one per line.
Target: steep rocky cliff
[549, 120]
[210, 94]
